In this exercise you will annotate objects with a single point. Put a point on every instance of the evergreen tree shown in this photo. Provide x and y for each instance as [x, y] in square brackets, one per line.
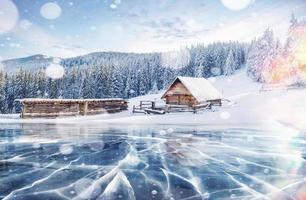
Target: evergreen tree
[230, 64]
[2, 93]
[261, 55]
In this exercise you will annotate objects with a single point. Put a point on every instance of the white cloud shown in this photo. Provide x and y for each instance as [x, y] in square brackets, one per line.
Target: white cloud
[25, 24]
[43, 42]
[250, 26]
[166, 34]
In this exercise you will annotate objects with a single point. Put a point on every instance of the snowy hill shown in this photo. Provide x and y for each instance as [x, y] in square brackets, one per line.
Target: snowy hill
[30, 63]
[211, 60]
[39, 61]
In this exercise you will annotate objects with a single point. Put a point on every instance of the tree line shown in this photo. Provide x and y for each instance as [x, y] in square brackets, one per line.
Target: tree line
[124, 75]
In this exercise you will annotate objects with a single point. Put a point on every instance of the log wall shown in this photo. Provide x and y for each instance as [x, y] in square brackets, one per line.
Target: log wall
[64, 107]
[178, 94]
[181, 100]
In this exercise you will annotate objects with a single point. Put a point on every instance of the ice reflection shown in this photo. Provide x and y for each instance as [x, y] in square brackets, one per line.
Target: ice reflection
[48, 161]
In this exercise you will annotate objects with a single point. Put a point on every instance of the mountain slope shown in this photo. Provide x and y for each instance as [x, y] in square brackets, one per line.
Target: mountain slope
[30, 63]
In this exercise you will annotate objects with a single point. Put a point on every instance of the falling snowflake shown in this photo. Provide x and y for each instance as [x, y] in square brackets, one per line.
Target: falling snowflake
[99, 146]
[93, 28]
[113, 6]
[266, 171]
[14, 45]
[66, 149]
[154, 192]
[117, 2]
[216, 71]
[250, 138]
[162, 132]
[55, 71]
[8, 16]
[50, 10]
[176, 59]
[221, 24]
[236, 4]
[25, 24]
[51, 26]
[170, 130]
[36, 145]
[36, 165]
[225, 115]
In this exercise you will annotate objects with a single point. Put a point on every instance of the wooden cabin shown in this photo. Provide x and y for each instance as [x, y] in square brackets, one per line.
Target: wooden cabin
[192, 92]
[70, 107]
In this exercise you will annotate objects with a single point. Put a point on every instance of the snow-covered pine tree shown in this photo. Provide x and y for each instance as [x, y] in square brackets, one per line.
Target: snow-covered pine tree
[9, 93]
[2, 92]
[99, 82]
[199, 71]
[154, 89]
[116, 83]
[230, 64]
[261, 54]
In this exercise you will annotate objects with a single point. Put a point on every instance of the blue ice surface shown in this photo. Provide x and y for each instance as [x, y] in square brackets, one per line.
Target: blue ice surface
[51, 161]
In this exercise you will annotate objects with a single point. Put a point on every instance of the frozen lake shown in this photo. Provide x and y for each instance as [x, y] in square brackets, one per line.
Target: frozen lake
[41, 161]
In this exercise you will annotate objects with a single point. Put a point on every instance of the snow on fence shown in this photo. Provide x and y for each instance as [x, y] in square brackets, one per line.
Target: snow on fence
[69, 107]
[150, 107]
[270, 87]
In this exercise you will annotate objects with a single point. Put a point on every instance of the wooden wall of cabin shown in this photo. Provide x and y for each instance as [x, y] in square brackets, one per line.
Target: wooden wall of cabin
[178, 94]
[54, 109]
[181, 100]
[178, 89]
[106, 106]
[50, 107]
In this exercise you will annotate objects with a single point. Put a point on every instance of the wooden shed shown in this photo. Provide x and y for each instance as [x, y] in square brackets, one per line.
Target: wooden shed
[191, 92]
[69, 107]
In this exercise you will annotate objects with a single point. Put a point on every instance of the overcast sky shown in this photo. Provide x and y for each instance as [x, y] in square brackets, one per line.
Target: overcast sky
[68, 28]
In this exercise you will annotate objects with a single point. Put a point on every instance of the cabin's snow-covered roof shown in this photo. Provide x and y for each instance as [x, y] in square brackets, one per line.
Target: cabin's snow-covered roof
[200, 88]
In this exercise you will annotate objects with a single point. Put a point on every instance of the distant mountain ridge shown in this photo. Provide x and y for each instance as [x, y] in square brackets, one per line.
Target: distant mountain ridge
[30, 63]
[39, 61]
[200, 61]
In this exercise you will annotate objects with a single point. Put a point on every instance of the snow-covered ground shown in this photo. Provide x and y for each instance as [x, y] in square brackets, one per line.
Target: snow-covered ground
[248, 106]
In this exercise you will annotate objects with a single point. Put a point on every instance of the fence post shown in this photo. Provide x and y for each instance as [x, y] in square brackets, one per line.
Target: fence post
[85, 107]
